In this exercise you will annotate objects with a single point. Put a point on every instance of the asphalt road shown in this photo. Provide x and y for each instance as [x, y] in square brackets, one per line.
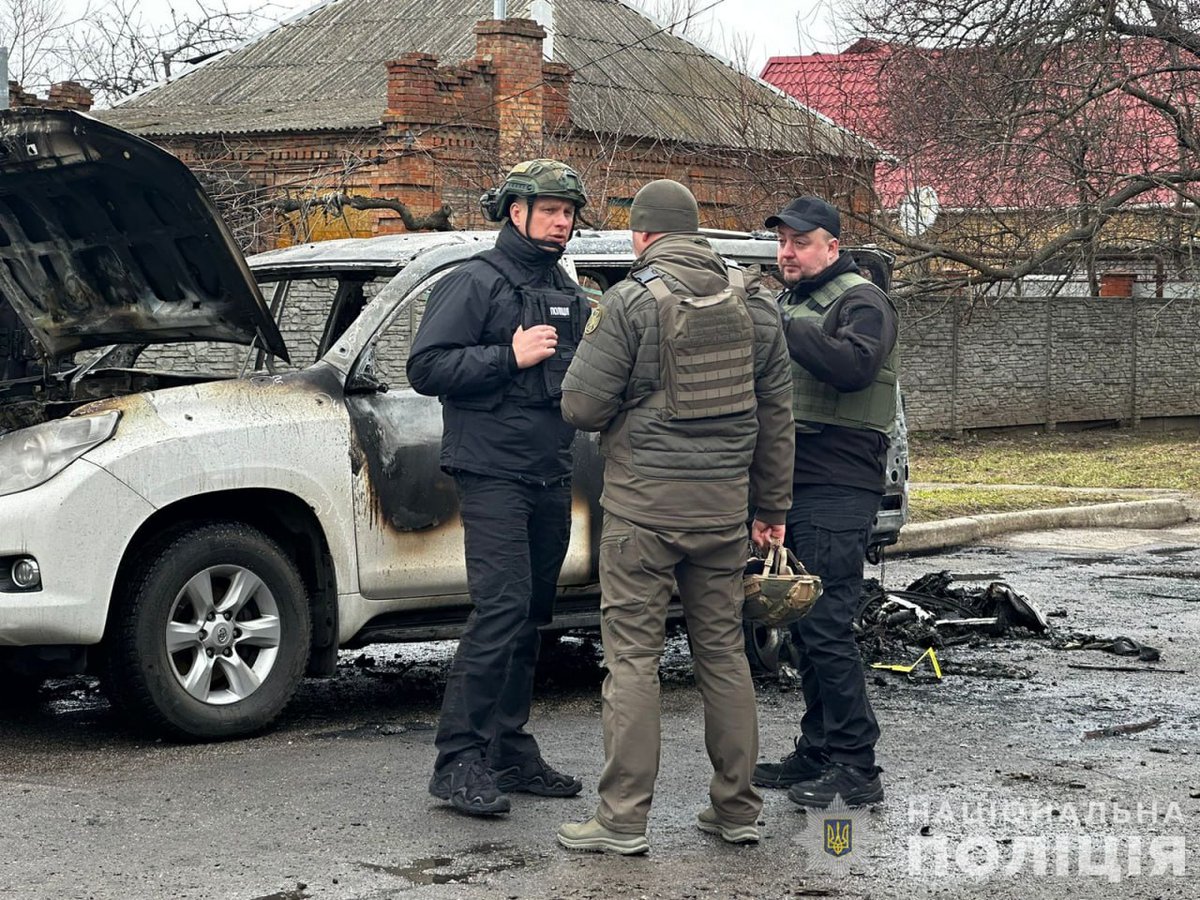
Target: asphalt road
[993, 789]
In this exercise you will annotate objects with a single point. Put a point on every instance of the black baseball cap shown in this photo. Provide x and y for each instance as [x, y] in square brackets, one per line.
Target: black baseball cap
[806, 213]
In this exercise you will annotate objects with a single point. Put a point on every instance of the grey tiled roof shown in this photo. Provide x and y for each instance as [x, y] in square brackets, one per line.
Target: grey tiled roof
[324, 69]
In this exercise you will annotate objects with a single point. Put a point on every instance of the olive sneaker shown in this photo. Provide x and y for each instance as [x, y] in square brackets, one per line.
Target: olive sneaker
[856, 787]
[804, 763]
[709, 822]
[536, 776]
[470, 787]
[591, 835]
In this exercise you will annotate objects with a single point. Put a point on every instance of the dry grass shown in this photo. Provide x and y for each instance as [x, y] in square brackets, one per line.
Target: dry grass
[932, 504]
[1091, 459]
[1094, 459]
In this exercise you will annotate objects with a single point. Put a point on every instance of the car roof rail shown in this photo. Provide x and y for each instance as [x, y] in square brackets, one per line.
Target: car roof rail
[745, 235]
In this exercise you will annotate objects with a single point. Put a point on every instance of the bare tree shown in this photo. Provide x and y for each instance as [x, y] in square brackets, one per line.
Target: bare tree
[1056, 131]
[34, 31]
[117, 51]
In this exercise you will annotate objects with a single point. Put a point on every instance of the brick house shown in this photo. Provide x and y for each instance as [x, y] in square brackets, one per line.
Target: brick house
[1002, 195]
[363, 117]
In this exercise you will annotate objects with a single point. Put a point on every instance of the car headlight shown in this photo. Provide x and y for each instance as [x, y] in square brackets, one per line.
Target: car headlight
[32, 456]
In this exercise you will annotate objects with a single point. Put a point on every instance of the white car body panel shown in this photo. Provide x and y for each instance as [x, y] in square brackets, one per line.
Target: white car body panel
[79, 549]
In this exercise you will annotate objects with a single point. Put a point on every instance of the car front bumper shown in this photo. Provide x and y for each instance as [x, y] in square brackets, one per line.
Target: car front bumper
[77, 526]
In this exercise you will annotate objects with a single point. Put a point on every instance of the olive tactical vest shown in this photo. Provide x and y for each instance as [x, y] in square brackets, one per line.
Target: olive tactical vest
[706, 350]
[874, 407]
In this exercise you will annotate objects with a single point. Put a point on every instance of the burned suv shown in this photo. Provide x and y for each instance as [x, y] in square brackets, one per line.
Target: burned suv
[185, 509]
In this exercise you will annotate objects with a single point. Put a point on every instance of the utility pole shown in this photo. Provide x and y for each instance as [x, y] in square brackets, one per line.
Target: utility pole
[3, 77]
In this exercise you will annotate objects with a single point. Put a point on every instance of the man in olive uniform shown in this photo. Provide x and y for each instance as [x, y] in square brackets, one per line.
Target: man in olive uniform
[493, 345]
[841, 335]
[684, 372]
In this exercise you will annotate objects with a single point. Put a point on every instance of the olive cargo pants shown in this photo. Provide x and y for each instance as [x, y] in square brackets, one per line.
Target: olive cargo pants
[638, 568]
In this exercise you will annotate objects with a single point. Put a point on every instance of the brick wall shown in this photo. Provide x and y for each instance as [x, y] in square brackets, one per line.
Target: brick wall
[301, 322]
[1045, 361]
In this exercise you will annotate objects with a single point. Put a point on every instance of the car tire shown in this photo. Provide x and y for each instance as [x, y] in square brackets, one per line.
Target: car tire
[767, 648]
[212, 636]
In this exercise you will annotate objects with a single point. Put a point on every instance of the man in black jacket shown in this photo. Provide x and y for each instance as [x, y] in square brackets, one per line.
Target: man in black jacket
[495, 341]
[841, 335]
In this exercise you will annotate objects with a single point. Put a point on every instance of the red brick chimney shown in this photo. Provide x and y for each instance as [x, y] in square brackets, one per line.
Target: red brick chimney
[18, 96]
[410, 89]
[514, 49]
[70, 95]
[63, 95]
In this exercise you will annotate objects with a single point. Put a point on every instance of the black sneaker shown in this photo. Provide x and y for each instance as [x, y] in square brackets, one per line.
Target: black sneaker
[470, 787]
[536, 776]
[802, 764]
[856, 787]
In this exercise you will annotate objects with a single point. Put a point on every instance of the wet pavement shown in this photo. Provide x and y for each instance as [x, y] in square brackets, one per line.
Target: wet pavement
[993, 788]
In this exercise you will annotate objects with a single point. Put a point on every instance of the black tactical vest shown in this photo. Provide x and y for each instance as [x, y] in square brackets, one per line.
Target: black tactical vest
[563, 308]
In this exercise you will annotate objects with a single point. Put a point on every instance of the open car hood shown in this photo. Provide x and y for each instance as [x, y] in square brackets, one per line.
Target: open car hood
[107, 239]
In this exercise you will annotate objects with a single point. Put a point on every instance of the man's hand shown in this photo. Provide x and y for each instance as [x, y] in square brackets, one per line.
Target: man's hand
[532, 346]
[764, 535]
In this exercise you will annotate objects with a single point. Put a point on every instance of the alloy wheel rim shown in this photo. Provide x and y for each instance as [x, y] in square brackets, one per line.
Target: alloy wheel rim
[223, 634]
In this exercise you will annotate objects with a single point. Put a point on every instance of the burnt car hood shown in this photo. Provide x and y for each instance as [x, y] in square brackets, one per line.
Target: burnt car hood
[107, 239]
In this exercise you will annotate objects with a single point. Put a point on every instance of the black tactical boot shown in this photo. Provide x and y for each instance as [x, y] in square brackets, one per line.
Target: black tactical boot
[802, 764]
[856, 787]
[536, 776]
[470, 787]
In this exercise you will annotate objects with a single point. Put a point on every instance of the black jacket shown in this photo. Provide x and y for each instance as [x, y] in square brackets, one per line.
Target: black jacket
[849, 358]
[462, 353]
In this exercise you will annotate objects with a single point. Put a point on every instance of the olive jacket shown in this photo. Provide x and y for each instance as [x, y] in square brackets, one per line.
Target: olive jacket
[688, 474]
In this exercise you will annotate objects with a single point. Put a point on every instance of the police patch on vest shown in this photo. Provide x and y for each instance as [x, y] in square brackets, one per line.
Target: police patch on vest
[593, 321]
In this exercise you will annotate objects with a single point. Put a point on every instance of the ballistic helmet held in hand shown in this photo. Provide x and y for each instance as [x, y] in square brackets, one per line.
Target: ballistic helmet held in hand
[778, 589]
[530, 179]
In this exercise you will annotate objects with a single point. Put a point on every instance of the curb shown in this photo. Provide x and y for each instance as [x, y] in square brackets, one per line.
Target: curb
[931, 536]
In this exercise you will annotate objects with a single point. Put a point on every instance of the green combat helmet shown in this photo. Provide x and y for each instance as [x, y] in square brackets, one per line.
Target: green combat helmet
[778, 589]
[530, 179]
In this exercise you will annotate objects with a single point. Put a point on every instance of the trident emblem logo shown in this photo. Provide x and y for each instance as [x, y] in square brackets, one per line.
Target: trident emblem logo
[839, 836]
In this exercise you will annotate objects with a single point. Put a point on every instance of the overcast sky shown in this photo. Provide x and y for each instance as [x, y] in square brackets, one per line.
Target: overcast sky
[755, 29]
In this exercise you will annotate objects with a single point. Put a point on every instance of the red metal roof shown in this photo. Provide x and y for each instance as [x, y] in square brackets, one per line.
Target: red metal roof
[1026, 168]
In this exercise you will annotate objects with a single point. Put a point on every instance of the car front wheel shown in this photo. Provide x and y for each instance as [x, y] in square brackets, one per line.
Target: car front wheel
[213, 636]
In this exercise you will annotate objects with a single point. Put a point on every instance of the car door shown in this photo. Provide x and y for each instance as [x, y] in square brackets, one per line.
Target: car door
[406, 517]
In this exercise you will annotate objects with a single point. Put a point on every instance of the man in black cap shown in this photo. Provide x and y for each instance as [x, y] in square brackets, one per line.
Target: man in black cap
[841, 335]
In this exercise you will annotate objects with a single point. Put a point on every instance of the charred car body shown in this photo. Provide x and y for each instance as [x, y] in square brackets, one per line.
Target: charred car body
[203, 540]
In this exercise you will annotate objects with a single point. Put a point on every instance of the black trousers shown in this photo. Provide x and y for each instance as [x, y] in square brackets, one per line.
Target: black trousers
[827, 529]
[515, 539]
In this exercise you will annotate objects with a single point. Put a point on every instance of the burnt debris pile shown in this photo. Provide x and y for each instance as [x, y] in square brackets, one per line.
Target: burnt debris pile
[935, 611]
